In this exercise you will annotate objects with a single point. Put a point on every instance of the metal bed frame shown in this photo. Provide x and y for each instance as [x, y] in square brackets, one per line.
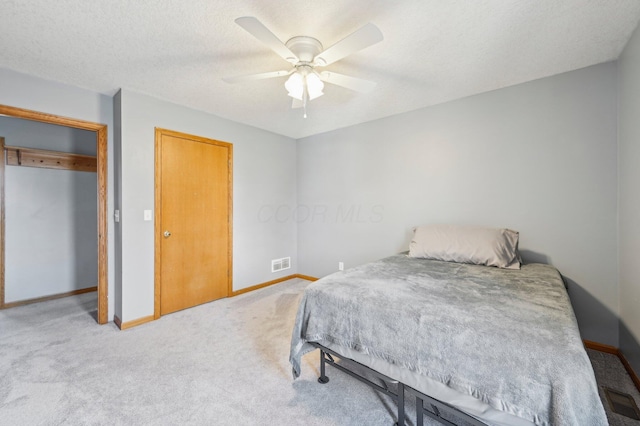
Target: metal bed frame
[434, 409]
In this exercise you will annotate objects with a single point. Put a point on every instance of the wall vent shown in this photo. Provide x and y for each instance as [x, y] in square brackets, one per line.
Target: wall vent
[622, 403]
[280, 264]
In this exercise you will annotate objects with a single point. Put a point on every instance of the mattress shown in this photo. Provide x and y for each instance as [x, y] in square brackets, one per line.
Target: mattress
[506, 342]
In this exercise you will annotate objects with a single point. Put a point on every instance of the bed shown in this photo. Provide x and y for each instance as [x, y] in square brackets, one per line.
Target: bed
[501, 345]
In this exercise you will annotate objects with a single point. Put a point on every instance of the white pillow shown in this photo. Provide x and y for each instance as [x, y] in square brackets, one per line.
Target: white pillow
[466, 244]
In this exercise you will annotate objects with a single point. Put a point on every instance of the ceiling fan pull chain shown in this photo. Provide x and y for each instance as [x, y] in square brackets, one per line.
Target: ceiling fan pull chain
[305, 98]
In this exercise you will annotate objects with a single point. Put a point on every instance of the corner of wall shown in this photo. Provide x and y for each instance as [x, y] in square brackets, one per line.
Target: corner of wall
[628, 200]
[117, 191]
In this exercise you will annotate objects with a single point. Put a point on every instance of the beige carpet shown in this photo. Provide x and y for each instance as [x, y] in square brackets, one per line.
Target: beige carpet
[223, 363]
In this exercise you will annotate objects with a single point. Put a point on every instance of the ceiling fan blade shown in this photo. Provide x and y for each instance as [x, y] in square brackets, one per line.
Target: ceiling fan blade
[253, 77]
[262, 33]
[357, 84]
[358, 40]
[296, 103]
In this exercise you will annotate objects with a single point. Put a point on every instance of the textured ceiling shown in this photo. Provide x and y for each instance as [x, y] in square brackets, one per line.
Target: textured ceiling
[433, 50]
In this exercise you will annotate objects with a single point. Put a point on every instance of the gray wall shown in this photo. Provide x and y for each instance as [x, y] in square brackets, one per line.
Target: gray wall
[50, 215]
[23, 91]
[629, 200]
[264, 173]
[34, 134]
[539, 158]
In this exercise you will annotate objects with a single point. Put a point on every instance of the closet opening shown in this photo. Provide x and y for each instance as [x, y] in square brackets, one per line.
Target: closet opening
[53, 200]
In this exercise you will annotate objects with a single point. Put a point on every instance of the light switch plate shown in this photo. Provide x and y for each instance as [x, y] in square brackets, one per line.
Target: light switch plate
[147, 215]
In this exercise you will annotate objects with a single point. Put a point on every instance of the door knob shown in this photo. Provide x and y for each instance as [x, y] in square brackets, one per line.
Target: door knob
[167, 234]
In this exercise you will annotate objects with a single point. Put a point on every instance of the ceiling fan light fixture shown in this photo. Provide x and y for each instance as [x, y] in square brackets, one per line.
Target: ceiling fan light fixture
[314, 86]
[300, 82]
[295, 85]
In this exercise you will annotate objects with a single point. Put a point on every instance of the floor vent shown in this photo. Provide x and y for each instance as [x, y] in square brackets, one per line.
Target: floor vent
[622, 403]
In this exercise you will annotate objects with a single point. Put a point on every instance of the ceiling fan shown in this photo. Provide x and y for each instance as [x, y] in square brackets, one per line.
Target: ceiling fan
[306, 54]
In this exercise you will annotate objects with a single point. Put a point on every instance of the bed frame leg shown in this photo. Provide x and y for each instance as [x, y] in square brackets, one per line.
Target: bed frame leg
[323, 378]
[419, 412]
[400, 404]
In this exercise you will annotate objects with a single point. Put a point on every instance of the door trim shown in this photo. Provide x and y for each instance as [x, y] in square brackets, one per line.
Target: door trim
[101, 139]
[159, 132]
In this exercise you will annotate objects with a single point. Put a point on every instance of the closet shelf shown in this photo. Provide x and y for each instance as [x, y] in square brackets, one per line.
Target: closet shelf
[30, 157]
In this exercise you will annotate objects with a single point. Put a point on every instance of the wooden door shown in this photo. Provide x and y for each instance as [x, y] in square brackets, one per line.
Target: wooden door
[193, 221]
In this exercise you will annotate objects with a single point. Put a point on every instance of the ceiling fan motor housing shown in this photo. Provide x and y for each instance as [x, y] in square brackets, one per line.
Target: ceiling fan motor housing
[305, 48]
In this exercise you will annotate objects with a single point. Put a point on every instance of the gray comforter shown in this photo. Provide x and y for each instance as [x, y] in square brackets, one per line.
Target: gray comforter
[507, 337]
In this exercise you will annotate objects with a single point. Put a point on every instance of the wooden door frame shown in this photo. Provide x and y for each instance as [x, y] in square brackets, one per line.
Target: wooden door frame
[101, 139]
[158, 211]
